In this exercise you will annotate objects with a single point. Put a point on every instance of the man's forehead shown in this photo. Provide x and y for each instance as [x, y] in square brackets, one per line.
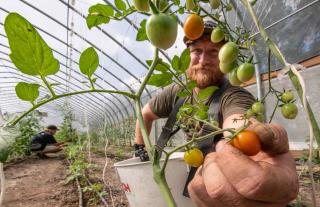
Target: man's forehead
[205, 43]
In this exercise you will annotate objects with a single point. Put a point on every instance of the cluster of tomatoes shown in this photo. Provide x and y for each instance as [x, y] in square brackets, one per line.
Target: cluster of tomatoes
[257, 109]
[246, 141]
[288, 109]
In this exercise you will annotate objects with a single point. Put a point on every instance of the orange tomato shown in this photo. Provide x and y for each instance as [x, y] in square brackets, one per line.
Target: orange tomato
[193, 157]
[193, 27]
[247, 142]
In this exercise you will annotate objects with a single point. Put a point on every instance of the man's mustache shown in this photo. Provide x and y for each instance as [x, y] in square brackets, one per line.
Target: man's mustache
[201, 67]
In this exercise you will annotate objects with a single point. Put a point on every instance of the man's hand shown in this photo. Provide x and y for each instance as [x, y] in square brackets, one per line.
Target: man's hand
[139, 151]
[230, 178]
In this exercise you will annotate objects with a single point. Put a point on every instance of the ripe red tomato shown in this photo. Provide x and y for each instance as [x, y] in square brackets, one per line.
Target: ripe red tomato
[247, 142]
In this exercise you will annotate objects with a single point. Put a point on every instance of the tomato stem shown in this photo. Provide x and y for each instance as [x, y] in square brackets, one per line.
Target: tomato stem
[167, 8]
[154, 9]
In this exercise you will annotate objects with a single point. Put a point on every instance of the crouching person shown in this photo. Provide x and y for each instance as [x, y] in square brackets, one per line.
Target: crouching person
[44, 142]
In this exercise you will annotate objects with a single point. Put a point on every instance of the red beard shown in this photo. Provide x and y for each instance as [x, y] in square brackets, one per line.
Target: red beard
[204, 76]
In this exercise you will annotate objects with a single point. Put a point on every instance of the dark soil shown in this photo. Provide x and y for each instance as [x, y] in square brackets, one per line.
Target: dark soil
[41, 183]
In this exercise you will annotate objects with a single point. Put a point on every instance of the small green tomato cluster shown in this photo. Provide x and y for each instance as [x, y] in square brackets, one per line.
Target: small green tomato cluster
[289, 109]
[228, 55]
[257, 110]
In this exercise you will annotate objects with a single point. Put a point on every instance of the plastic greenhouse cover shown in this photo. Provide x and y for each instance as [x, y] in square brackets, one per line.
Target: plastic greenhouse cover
[293, 24]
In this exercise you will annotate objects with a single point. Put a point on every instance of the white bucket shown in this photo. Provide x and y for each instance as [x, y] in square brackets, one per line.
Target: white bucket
[140, 188]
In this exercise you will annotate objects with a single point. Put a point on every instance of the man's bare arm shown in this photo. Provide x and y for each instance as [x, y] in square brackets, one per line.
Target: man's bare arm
[148, 117]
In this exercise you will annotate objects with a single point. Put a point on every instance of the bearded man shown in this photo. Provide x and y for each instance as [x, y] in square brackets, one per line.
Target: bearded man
[227, 176]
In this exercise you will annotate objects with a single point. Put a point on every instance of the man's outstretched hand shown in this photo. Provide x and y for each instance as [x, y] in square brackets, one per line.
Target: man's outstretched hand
[230, 178]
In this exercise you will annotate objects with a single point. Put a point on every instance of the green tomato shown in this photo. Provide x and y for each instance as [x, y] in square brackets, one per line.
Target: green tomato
[227, 67]
[258, 108]
[141, 5]
[233, 79]
[229, 52]
[214, 4]
[289, 110]
[245, 72]
[217, 35]
[249, 113]
[190, 4]
[287, 96]
[162, 30]
[260, 117]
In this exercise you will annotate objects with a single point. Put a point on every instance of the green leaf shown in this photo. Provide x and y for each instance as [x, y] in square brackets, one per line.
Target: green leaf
[27, 91]
[149, 62]
[94, 80]
[142, 35]
[29, 52]
[175, 63]
[160, 80]
[120, 5]
[176, 2]
[202, 112]
[183, 94]
[99, 14]
[204, 94]
[118, 14]
[181, 10]
[186, 109]
[191, 84]
[161, 66]
[4, 153]
[89, 61]
[184, 60]
[93, 20]
[101, 9]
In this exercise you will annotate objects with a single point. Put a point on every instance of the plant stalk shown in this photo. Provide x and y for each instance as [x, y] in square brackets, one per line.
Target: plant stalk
[65, 95]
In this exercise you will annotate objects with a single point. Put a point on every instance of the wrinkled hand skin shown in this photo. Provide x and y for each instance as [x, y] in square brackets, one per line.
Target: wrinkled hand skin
[230, 178]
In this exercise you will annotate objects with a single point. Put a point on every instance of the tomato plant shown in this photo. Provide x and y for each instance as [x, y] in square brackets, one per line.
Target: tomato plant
[249, 113]
[229, 52]
[193, 157]
[245, 72]
[217, 35]
[162, 4]
[161, 30]
[233, 78]
[227, 67]
[289, 110]
[287, 96]
[258, 107]
[193, 27]
[190, 4]
[215, 4]
[141, 5]
[247, 142]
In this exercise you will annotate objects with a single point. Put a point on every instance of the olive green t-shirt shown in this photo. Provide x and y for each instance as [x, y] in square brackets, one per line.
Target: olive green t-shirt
[232, 101]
